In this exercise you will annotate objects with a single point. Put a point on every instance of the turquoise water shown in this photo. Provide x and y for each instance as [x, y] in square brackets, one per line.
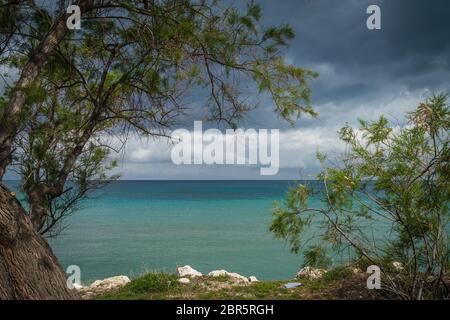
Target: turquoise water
[134, 226]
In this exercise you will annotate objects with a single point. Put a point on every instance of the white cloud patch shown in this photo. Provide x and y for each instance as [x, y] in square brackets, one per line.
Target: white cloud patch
[150, 158]
[146, 150]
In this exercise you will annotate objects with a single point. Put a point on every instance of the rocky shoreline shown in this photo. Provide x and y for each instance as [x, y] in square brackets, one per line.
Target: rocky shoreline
[185, 275]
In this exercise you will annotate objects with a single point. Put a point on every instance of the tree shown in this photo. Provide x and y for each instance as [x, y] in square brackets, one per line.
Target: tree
[28, 267]
[385, 200]
[35, 60]
[132, 66]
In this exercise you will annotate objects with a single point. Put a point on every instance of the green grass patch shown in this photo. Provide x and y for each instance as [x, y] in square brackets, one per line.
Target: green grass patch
[334, 275]
[142, 287]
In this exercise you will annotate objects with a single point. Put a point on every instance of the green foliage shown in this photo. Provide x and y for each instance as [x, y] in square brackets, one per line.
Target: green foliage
[152, 282]
[172, 47]
[316, 256]
[287, 222]
[386, 199]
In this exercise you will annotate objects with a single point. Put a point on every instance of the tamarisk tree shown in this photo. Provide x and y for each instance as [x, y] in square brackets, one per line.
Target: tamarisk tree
[385, 201]
[133, 65]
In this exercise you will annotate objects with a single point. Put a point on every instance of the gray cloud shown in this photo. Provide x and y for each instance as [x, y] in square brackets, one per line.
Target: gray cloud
[412, 48]
[363, 74]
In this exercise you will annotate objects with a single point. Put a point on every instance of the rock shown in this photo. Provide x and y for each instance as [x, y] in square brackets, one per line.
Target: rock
[109, 283]
[234, 275]
[187, 271]
[398, 266]
[77, 286]
[218, 273]
[253, 279]
[99, 287]
[237, 276]
[291, 285]
[184, 280]
[310, 273]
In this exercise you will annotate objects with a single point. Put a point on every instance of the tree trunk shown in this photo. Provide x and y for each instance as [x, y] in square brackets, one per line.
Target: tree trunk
[28, 267]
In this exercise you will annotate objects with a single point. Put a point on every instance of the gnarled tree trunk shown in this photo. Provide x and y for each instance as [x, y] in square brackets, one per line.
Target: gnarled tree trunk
[28, 267]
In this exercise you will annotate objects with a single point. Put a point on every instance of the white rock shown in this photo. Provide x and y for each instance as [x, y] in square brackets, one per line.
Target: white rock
[310, 273]
[253, 279]
[110, 283]
[218, 273]
[77, 286]
[184, 280]
[187, 271]
[237, 276]
[234, 275]
[398, 266]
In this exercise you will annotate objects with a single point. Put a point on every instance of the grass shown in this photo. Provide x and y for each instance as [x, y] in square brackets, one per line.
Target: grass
[152, 283]
[339, 283]
[336, 275]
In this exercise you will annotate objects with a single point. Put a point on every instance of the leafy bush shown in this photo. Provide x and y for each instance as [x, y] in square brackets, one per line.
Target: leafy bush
[385, 200]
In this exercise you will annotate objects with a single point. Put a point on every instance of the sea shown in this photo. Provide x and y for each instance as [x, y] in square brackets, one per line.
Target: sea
[132, 227]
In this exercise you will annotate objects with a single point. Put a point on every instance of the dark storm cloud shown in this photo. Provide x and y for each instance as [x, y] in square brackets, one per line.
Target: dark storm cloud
[357, 65]
[413, 44]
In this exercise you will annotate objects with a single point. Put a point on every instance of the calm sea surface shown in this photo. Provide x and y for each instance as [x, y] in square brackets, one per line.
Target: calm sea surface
[134, 226]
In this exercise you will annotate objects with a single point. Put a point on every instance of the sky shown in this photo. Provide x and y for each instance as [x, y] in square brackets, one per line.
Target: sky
[363, 74]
